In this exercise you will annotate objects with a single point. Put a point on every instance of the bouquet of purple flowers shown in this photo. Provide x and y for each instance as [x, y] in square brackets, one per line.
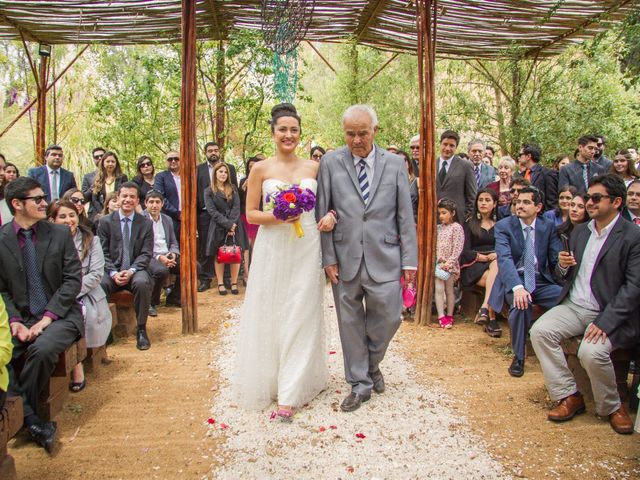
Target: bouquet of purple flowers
[290, 202]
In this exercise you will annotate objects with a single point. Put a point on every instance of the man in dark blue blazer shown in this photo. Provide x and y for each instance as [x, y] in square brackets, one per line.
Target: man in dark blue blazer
[527, 247]
[54, 179]
[515, 186]
[169, 185]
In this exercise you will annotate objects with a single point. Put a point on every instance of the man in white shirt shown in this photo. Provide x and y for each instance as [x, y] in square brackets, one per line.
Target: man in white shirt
[599, 300]
[166, 253]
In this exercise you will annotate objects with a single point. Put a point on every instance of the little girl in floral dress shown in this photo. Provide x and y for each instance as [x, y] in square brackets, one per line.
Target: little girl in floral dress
[449, 247]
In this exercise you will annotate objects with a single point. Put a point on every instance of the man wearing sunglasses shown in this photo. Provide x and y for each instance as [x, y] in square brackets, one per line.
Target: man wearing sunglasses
[527, 247]
[580, 172]
[54, 179]
[600, 158]
[168, 184]
[540, 176]
[87, 181]
[40, 279]
[599, 300]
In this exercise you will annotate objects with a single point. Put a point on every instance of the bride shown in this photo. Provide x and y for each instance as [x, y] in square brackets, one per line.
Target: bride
[282, 349]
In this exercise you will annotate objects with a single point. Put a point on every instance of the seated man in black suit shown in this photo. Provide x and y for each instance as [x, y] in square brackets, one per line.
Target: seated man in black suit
[527, 248]
[40, 279]
[166, 252]
[599, 300]
[127, 242]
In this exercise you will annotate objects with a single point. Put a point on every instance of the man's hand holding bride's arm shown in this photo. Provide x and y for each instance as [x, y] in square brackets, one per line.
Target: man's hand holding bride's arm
[333, 273]
[327, 223]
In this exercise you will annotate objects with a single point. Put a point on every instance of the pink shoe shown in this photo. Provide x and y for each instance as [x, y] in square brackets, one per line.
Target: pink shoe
[442, 321]
[448, 321]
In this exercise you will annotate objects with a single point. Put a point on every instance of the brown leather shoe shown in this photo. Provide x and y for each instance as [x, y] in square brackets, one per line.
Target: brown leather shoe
[621, 421]
[568, 408]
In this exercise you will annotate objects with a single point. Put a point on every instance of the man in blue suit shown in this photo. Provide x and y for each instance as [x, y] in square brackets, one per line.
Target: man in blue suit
[54, 179]
[169, 185]
[527, 247]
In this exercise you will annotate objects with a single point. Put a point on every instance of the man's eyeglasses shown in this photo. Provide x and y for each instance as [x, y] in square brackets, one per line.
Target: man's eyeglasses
[37, 199]
[414, 147]
[316, 155]
[98, 157]
[173, 159]
[77, 200]
[594, 197]
[146, 164]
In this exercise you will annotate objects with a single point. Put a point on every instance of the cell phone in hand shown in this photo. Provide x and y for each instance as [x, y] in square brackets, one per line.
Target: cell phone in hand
[565, 242]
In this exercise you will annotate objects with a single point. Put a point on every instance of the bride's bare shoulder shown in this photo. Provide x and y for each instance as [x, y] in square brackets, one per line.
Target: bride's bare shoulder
[312, 167]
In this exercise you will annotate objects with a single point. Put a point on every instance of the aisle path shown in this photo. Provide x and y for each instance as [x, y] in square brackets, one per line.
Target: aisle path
[408, 432]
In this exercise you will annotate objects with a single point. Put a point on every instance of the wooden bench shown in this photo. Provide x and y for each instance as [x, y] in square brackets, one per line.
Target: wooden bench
[95, 357]
[620, 358]
[11, 418]
[123, 313]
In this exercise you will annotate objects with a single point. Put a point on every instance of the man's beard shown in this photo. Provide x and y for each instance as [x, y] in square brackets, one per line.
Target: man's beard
[213, 158]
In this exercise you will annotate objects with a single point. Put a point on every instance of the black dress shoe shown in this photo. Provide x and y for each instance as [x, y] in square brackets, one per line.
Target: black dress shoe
[353, 402]
[517, 367]
[378, 382]
[44, 434]
[204, 286]
[142, 340]
[493, 329]
[173, 303]
[153, 312]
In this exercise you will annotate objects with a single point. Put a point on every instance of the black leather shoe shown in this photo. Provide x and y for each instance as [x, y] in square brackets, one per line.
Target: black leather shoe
[153, 312]
[517, 367]
[493, 329]
[44, 434]
[353, 402]
[378, 382]
[173, 303]
[204, 286]
[142, 340]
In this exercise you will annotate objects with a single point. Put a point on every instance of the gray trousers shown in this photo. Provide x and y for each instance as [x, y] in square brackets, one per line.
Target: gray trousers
[368, 318]
[565, 321]
[141, 285]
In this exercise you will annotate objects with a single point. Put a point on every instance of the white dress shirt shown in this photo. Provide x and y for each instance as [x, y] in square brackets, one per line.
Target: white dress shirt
[369, 161]
[448, 160]
[580, 292]
[159, 238]
[176, 180]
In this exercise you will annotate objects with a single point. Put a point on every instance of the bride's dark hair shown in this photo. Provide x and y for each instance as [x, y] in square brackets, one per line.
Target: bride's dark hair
[283, 110]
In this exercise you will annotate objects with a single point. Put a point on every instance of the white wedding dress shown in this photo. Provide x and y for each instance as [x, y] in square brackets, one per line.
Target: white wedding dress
[282, 339]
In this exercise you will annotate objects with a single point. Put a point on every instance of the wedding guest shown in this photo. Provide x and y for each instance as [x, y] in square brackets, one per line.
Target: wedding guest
[317, 153]
[76, 197]
[502, 187]
[111, 204]
[560, 161]
[527, 249]
[166, 253]
[516, 185]
[87, 181]
[541, 177]
[6, 348]
[623, 166]
[127, 244]
[223, 204]
[450, 242]
[169, 185]
[455, 179]
[145, 176]
[631, 210]
[5, 214]
[579, 172]
[40, 297]
[479, 265]
[560, 214]
[250, 229]
[11, 172]
[577, 215]
[599, 300]
[108, 179]
[54, 179]
[95, 308]
[414, 183]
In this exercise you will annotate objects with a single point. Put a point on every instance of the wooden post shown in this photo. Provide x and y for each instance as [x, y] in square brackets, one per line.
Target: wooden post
[41, 115]
[427, 206]
[188, 169]
[221, 98]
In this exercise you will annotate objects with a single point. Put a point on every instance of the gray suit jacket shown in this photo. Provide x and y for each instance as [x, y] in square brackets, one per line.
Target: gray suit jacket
[382, 233]
[487, 174]
[459, 185]
[87, 184]
[572, 174]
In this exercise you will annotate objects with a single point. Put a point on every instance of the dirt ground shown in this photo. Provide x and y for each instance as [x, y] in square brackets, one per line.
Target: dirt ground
[144, 416]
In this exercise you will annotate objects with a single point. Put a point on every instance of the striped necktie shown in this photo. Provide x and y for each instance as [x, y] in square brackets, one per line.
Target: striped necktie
[529, 261]
[363, 180]
[477, 172]
[36, 293]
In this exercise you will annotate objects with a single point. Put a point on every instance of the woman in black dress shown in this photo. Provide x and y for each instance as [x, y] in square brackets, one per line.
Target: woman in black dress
[108, 179]
[478, 262]
[222, 201]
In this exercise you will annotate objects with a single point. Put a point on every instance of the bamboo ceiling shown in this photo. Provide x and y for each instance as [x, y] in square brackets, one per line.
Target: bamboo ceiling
[468, 28]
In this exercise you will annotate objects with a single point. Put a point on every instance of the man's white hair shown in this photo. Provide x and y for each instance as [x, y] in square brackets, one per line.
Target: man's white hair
[477, 141]
[358, 109]
[414, 139]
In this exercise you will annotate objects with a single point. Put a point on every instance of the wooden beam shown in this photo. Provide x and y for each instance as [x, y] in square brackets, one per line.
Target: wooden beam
[393, 57]
[21, 30]
[216, 17]
[428, 199]
[41, 114]
[31, 62]
[321, 56]
[368, 18]
[188, 158]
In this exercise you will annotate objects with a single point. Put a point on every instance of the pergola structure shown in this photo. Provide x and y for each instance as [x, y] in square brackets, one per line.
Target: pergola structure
[489, 29]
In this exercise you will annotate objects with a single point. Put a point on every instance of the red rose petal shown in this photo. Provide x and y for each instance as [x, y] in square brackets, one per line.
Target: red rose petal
[332, 352]
[211, 421]
[351, 469]
[338, 391]
[321, 429]
[333, 427]
[224, 426]
[361, 435]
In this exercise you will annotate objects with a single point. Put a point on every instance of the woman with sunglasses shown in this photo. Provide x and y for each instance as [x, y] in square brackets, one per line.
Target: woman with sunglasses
[108, 179]
[76, 197]
[145, 177]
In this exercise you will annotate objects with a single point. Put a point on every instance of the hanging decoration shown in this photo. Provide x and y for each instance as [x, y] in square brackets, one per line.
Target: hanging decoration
[284, 26]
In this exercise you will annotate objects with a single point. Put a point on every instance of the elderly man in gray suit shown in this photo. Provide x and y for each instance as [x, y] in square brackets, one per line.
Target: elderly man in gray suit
[456, 179]
[371, 246]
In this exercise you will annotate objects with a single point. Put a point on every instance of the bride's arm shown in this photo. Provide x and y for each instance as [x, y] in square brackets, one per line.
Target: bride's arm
[254, 192]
